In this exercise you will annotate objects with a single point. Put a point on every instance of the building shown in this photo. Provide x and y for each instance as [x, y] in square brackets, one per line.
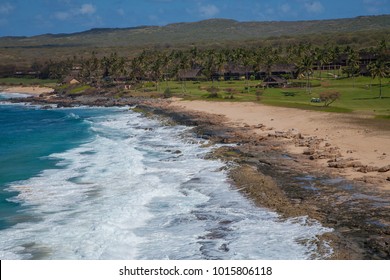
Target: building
[274, 81]
[70, 81]
[190, 74]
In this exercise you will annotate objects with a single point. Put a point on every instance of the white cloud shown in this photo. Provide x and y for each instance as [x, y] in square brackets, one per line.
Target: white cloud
[87, 9]
[375, 6]
[62, 15]
[270, 11]
[314, 7]
[285, 8]
[121, 12]
[208, 11]
[153, 18]
[374, 2]
[6, 8]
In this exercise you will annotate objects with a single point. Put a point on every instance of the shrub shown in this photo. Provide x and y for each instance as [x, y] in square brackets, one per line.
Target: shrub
[328, 97]
[213, 92]
[167, 93]
[230, 92]
[259, 93]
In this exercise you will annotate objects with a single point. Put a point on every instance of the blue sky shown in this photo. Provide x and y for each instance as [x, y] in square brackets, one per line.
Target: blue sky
[26, 17]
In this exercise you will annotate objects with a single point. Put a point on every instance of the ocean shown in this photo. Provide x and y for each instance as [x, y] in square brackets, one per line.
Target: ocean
[108, 183]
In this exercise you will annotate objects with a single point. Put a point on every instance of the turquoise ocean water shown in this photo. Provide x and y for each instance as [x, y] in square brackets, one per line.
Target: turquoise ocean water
[107, 183]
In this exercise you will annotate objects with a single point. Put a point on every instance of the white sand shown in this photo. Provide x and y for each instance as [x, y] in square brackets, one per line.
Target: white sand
[368, 145]
[34, 90]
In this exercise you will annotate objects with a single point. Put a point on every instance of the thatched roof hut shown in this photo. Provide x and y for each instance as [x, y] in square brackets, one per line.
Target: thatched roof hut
[189, 74]
[70, 81]
[274, 81]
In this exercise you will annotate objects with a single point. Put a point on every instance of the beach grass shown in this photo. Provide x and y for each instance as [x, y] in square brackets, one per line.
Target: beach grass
[79, 89]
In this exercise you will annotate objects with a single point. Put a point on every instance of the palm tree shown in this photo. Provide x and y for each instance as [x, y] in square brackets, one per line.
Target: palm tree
[353, 64]
[209, 63]
[184, 65]
[305, 67]
[246, 61]
[157, 69]
[379, 69]
[324, 58]
[193, 57]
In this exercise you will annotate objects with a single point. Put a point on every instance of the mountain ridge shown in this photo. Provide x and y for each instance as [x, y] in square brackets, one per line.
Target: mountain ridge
[222, 26]
[363, 31]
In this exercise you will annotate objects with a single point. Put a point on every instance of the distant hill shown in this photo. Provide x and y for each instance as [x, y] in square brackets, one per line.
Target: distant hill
[207, 32]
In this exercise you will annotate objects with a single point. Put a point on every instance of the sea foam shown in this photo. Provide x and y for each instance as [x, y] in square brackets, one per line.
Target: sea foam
[140, 190]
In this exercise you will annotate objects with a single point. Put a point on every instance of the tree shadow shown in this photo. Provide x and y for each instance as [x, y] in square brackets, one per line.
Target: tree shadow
[371, 98]
[289, 93]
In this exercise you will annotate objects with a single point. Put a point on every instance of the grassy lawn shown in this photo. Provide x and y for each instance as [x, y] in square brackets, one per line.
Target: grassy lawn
[357, 94]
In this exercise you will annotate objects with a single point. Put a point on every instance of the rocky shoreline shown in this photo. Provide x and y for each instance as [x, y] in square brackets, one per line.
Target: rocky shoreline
[291, 185]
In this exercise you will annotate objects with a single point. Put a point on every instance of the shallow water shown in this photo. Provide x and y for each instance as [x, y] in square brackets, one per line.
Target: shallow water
[111, 184]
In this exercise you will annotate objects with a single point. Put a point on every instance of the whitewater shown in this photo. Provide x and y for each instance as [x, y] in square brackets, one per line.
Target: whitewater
[131, 187]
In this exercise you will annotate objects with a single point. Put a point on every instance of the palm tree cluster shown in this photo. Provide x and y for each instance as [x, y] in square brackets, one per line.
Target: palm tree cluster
[160, 65]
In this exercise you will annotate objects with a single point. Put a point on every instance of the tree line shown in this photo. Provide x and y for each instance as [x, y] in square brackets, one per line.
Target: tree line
[159, 65]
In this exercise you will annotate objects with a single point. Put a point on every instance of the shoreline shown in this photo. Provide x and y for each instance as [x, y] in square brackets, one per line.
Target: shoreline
[32, 90]
[340, 143]
[272, 177]
[292, 185]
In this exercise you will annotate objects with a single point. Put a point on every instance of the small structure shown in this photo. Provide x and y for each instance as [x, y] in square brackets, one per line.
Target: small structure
[190, 74]
[70, 81]
[235, 72]
[274, 81]
[278, 70]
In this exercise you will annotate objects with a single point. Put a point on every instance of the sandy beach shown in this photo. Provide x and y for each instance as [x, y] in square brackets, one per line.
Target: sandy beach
[33, 90]
[361, 149]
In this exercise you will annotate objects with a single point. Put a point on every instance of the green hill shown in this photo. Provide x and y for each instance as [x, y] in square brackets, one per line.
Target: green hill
[203, 33]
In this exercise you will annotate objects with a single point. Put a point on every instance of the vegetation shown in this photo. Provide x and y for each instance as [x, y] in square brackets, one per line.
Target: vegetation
[79, 89]
[328, 97]
[27, 82]
[255, 63]
[360, 95]
[167, 93]
[360, 32]
[380, 69]
[346, 70]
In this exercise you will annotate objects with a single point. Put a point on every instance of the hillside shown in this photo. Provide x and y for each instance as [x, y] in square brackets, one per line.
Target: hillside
[207, 32]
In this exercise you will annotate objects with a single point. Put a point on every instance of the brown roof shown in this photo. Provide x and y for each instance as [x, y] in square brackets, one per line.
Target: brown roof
[69, 79]
[236, 69]
[189, 74]
[274, 80]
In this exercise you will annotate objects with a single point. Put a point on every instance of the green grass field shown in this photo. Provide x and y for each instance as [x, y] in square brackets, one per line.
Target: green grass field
[360, 95]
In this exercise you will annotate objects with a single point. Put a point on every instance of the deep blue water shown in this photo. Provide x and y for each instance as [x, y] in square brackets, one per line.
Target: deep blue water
[28, 136]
